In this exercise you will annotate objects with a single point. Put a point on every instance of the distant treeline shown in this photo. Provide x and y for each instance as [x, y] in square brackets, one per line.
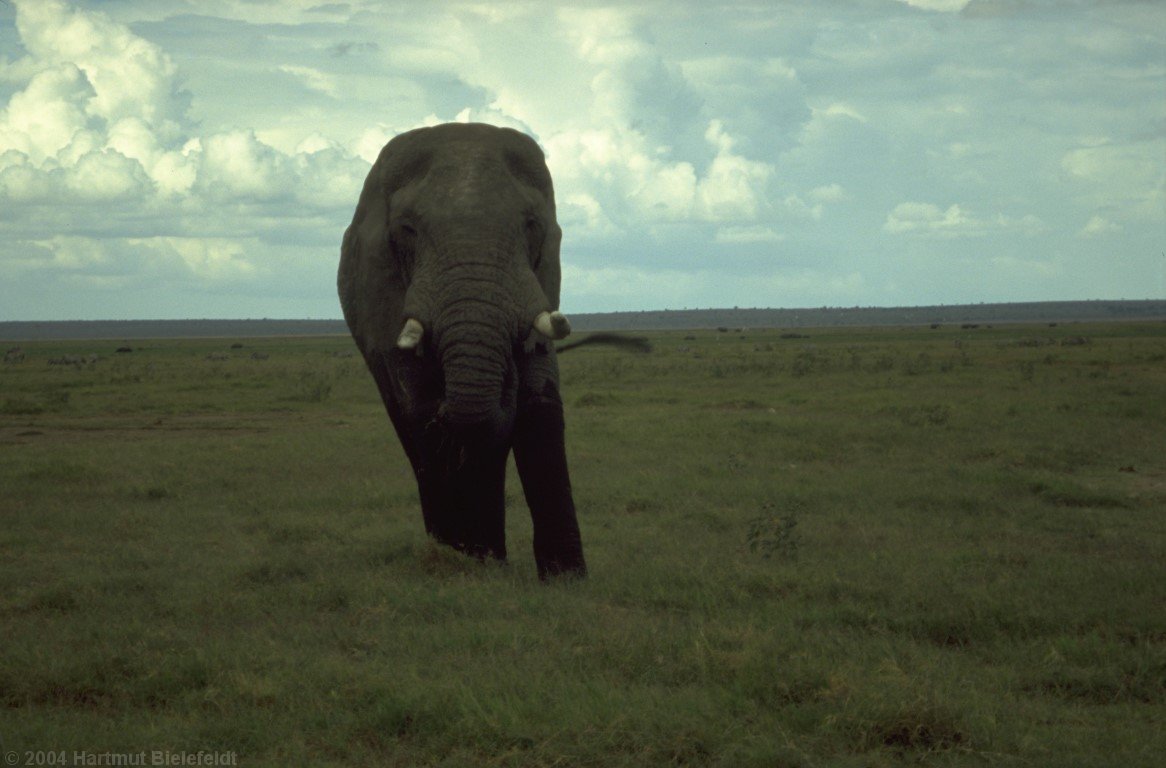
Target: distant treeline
[652, 320]
[825, 317]
[165, 329]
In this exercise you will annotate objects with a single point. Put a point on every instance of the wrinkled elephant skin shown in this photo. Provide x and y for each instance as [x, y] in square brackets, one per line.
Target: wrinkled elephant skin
[449, 281]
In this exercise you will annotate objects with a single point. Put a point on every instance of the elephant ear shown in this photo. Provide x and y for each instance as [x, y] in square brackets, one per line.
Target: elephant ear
[549, 271]
[533, 170]
[370, 280]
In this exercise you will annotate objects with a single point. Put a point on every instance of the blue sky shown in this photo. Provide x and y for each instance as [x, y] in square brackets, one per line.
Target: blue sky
[201, 158]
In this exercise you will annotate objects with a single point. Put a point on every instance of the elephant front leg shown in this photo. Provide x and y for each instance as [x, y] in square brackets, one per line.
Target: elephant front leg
[462, 490]
[541, 458]
[463, 496]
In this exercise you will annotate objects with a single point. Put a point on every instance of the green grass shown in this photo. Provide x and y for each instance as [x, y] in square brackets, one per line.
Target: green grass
[866, 547]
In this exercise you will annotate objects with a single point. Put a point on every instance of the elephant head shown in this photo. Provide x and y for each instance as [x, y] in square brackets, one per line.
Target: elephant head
[449, 281]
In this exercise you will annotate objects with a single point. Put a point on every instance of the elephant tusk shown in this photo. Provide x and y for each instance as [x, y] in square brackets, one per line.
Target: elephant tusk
[553, 325]
[411, 334]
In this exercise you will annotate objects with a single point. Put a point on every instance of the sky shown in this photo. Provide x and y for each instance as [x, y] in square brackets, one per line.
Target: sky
[202, 158]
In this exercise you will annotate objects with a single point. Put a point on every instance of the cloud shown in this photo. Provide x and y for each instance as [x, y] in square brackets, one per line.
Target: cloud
[1099, 225]
[237, 165]
[141, 259]
[130, 77]
[637, 145]
[634, 86]
[628, 285]
[95, 85]
[582, 215]
[734, 187]
[839, 109]
[617, 171]
[796, 206]
[97, 148]
[96, 114]
[629, 181]
[748, 234]
[929, 220]
[312, 78]
[761, 102]
[107, 175]
[42, 119]
[21, 182]
[825, 152]
[1129, 174]
[173, 172]
[925, 218]
[828, 193]
[213, 258]
[945, 6]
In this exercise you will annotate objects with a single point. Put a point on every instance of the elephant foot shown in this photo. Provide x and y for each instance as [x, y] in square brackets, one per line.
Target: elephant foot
[478, 551]
[567, 562]
[560, 572]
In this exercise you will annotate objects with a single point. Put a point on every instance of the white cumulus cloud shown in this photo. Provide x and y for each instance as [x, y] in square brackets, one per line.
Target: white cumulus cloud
[239, 165]
[734, 188]
[946, 6]
[109, 180]
[42, 119]
[130, 77]
[756, 233]
[107, 175]
[1099, 225]
[929, 220]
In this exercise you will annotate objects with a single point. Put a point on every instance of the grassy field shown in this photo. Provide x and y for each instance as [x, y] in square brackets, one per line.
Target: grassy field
[856, 548]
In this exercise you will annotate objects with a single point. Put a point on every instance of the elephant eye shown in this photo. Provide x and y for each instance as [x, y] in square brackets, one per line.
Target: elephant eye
[402, 243]
[402, 234]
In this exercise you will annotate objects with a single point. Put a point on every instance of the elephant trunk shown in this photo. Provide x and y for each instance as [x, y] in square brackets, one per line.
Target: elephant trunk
[473, 306]
[476, 363]
[479, 308]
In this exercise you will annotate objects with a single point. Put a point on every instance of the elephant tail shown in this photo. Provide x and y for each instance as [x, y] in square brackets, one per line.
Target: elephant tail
[626, 343]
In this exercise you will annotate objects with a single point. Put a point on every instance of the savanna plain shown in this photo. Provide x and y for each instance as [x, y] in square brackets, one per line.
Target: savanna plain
[842, 547]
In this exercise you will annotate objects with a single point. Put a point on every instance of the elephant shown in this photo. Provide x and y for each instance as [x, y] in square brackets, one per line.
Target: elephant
[449, 283]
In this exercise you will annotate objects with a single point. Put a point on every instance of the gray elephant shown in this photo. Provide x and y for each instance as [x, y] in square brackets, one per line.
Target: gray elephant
[449, 281]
